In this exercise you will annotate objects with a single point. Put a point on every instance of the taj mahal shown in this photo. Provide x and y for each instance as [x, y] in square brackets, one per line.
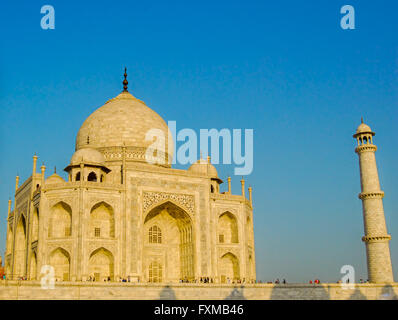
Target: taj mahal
[121, 216]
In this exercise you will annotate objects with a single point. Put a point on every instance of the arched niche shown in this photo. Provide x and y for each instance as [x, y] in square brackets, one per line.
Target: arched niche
[102, 221]
[35, 225]
[60, 261]
[60, 221]
[20, 248]
[228, 268]
[227, 228]
[101, 265]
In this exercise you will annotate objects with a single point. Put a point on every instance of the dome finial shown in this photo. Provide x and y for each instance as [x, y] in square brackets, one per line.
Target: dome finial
[361, 119]
[125, 82]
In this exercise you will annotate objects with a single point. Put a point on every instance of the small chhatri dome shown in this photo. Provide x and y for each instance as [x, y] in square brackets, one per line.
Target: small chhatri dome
[87, 156]
[53, 179]
[204, 167]
[363, 128]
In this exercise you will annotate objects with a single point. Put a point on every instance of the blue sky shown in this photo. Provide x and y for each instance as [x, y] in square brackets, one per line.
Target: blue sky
[283, 68]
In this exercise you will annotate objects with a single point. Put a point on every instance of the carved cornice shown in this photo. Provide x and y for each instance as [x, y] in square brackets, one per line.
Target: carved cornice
[366, 148]
[384, 238]
[231, 197]
[132, 154]
[85, 184]
[151, 199]
[371, 195]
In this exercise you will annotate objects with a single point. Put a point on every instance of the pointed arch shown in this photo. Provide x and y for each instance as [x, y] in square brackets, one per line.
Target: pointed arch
[60, 221]
[102, 221]
[10, 240]
[60, 261]
[20, 247]
[101, 264]
[228, 267]
[177, 242]
[35, 224]
[227, 228]
[92, 176]
[33, 266]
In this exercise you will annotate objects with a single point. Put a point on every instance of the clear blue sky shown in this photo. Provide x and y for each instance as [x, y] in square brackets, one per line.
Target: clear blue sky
[284, 68]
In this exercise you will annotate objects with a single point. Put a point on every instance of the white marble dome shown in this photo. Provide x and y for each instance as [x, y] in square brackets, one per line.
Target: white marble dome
[122, 121]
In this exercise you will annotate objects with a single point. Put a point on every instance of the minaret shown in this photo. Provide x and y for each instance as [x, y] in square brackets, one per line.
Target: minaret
[376, 237]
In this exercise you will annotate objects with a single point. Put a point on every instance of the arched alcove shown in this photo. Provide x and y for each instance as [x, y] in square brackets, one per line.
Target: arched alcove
[35, 225]
[102, 221]
[92, 177]
[227, 228]
[101, 265]
[20, 248]
[228, 268]
[60, 221]
[33, 266]
[60, 261]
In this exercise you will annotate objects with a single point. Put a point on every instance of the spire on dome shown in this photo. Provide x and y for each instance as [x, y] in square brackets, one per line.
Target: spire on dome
[361, 119]
[125, 82]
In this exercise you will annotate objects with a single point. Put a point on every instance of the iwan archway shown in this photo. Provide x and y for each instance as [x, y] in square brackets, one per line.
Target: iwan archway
[168, 246]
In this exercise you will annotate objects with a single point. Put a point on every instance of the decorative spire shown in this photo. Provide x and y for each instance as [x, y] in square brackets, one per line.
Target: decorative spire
[361, 119]
[55, 169]
[125, 82]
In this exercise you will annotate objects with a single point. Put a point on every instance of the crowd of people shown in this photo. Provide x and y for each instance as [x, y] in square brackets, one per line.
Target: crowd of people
[212, 280]
[209, 280]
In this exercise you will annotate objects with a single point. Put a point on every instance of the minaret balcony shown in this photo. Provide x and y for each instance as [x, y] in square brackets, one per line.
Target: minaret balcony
[371, 195]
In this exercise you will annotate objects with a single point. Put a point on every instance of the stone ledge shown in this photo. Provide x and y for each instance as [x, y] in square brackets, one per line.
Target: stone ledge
[31, 290]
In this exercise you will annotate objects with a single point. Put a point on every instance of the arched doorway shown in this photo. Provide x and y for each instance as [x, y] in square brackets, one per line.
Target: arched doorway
[60, 261]
[60, 221]
[155, 272]
[228, 268]
[101, 265]
[227, 228]
[102, 221]
[20, 248]
[168, 243]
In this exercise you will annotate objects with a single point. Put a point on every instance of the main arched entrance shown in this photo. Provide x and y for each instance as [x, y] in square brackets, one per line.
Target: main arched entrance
[168, 253]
